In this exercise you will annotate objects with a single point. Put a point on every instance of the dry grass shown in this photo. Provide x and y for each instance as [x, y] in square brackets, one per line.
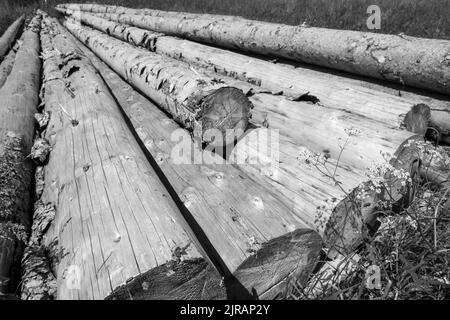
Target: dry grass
[423, 18]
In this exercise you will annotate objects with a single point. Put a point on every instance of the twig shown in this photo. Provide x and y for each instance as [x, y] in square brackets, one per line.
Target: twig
[72, 120]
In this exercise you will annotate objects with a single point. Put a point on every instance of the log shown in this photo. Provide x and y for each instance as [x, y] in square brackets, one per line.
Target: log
[196, 102]
[7, 64]
[321, 130]
[245, 222]
[6, 67]
[9, 37]
[95, 8]
[114, 220]
[324, 89]
[19, 99]
[326, 130]
[417, 62]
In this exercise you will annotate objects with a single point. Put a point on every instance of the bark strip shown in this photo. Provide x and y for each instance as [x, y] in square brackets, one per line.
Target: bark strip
[19, 100]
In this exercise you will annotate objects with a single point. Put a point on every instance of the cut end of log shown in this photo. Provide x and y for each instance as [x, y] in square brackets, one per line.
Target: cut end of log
[418, 118]
[192, 279]
[225, 116]
[269, 272]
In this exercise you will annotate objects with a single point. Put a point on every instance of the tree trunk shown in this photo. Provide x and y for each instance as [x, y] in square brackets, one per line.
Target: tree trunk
[326, 130]
[10, 35]
[417, 62]
[19, 99]
[196, 102]
[298, 83]
[237, 215]
[114, 220]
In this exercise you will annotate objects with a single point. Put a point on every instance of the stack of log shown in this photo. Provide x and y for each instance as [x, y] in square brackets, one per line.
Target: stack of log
[166, 168]
[396, 58]
[285, 98]
[111, 223]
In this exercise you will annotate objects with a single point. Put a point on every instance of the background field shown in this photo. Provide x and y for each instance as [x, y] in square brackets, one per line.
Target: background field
[423, 18]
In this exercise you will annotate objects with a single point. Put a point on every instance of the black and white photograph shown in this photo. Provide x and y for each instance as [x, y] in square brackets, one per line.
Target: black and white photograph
[234, 157]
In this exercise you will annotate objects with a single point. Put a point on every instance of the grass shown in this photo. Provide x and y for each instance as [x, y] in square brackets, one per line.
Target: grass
[411, 254]
[422, 18]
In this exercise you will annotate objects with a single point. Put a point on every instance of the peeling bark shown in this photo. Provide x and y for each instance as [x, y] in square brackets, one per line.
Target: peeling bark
[19, 99]
[417, 62]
